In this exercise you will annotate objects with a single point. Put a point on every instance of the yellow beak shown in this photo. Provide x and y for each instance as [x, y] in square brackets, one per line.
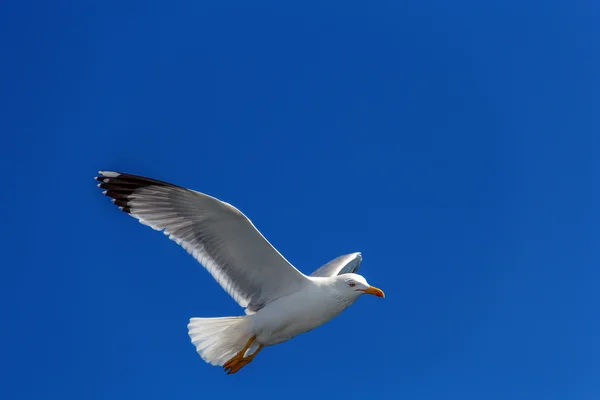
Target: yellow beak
[374, 291]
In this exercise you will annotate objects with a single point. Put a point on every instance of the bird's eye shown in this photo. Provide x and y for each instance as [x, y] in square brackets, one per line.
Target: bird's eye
[352, 284]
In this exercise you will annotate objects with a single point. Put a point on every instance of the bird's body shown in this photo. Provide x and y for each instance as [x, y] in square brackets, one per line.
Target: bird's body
[280, 301]
[297, 313]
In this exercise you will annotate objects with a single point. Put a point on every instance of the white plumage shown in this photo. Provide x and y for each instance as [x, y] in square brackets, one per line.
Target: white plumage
[280, 301]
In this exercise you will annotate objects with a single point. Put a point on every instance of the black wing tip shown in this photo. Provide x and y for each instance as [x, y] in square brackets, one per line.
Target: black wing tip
[137, 181]
[119, 186]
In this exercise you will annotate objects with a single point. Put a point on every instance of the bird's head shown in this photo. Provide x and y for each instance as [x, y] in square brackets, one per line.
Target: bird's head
[355, 285]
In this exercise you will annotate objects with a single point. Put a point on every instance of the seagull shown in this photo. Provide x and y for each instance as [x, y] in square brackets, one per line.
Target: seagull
[280, 302]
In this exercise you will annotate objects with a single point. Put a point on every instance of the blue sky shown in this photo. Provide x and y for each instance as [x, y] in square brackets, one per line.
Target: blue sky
[454, 145]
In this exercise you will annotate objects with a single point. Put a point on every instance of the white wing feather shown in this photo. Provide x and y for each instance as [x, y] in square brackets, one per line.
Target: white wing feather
[215, 233]
[349, 263]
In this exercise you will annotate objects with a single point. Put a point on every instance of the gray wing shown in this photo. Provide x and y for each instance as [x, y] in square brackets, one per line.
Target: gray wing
[349, 263]
[217, 234]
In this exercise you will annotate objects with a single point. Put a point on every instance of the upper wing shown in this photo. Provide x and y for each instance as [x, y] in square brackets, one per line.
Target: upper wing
[217, 234]
[349, 263]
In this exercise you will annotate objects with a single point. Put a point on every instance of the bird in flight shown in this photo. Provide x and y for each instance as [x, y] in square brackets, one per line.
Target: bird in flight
[280, 301]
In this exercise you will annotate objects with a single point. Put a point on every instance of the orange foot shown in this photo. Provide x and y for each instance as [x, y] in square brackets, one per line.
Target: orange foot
[239, 361]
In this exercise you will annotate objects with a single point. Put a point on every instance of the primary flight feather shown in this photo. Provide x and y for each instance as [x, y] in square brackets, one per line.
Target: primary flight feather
[279, 300]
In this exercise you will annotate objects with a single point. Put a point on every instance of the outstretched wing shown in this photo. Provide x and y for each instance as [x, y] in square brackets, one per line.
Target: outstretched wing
[217, 234]
[349, 263]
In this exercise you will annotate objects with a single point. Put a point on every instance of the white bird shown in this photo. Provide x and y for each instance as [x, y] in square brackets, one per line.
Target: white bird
[280, 301]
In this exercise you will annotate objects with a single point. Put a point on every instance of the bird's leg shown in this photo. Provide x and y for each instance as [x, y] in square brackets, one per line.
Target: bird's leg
[244, 361]
[239, 356]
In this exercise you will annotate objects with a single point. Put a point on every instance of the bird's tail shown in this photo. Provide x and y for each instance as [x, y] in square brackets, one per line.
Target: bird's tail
[218, 339]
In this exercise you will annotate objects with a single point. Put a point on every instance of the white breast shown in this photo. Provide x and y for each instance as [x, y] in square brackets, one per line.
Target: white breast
[295, 314]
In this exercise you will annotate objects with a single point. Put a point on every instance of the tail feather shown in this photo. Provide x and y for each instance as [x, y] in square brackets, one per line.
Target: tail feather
[218, 339]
